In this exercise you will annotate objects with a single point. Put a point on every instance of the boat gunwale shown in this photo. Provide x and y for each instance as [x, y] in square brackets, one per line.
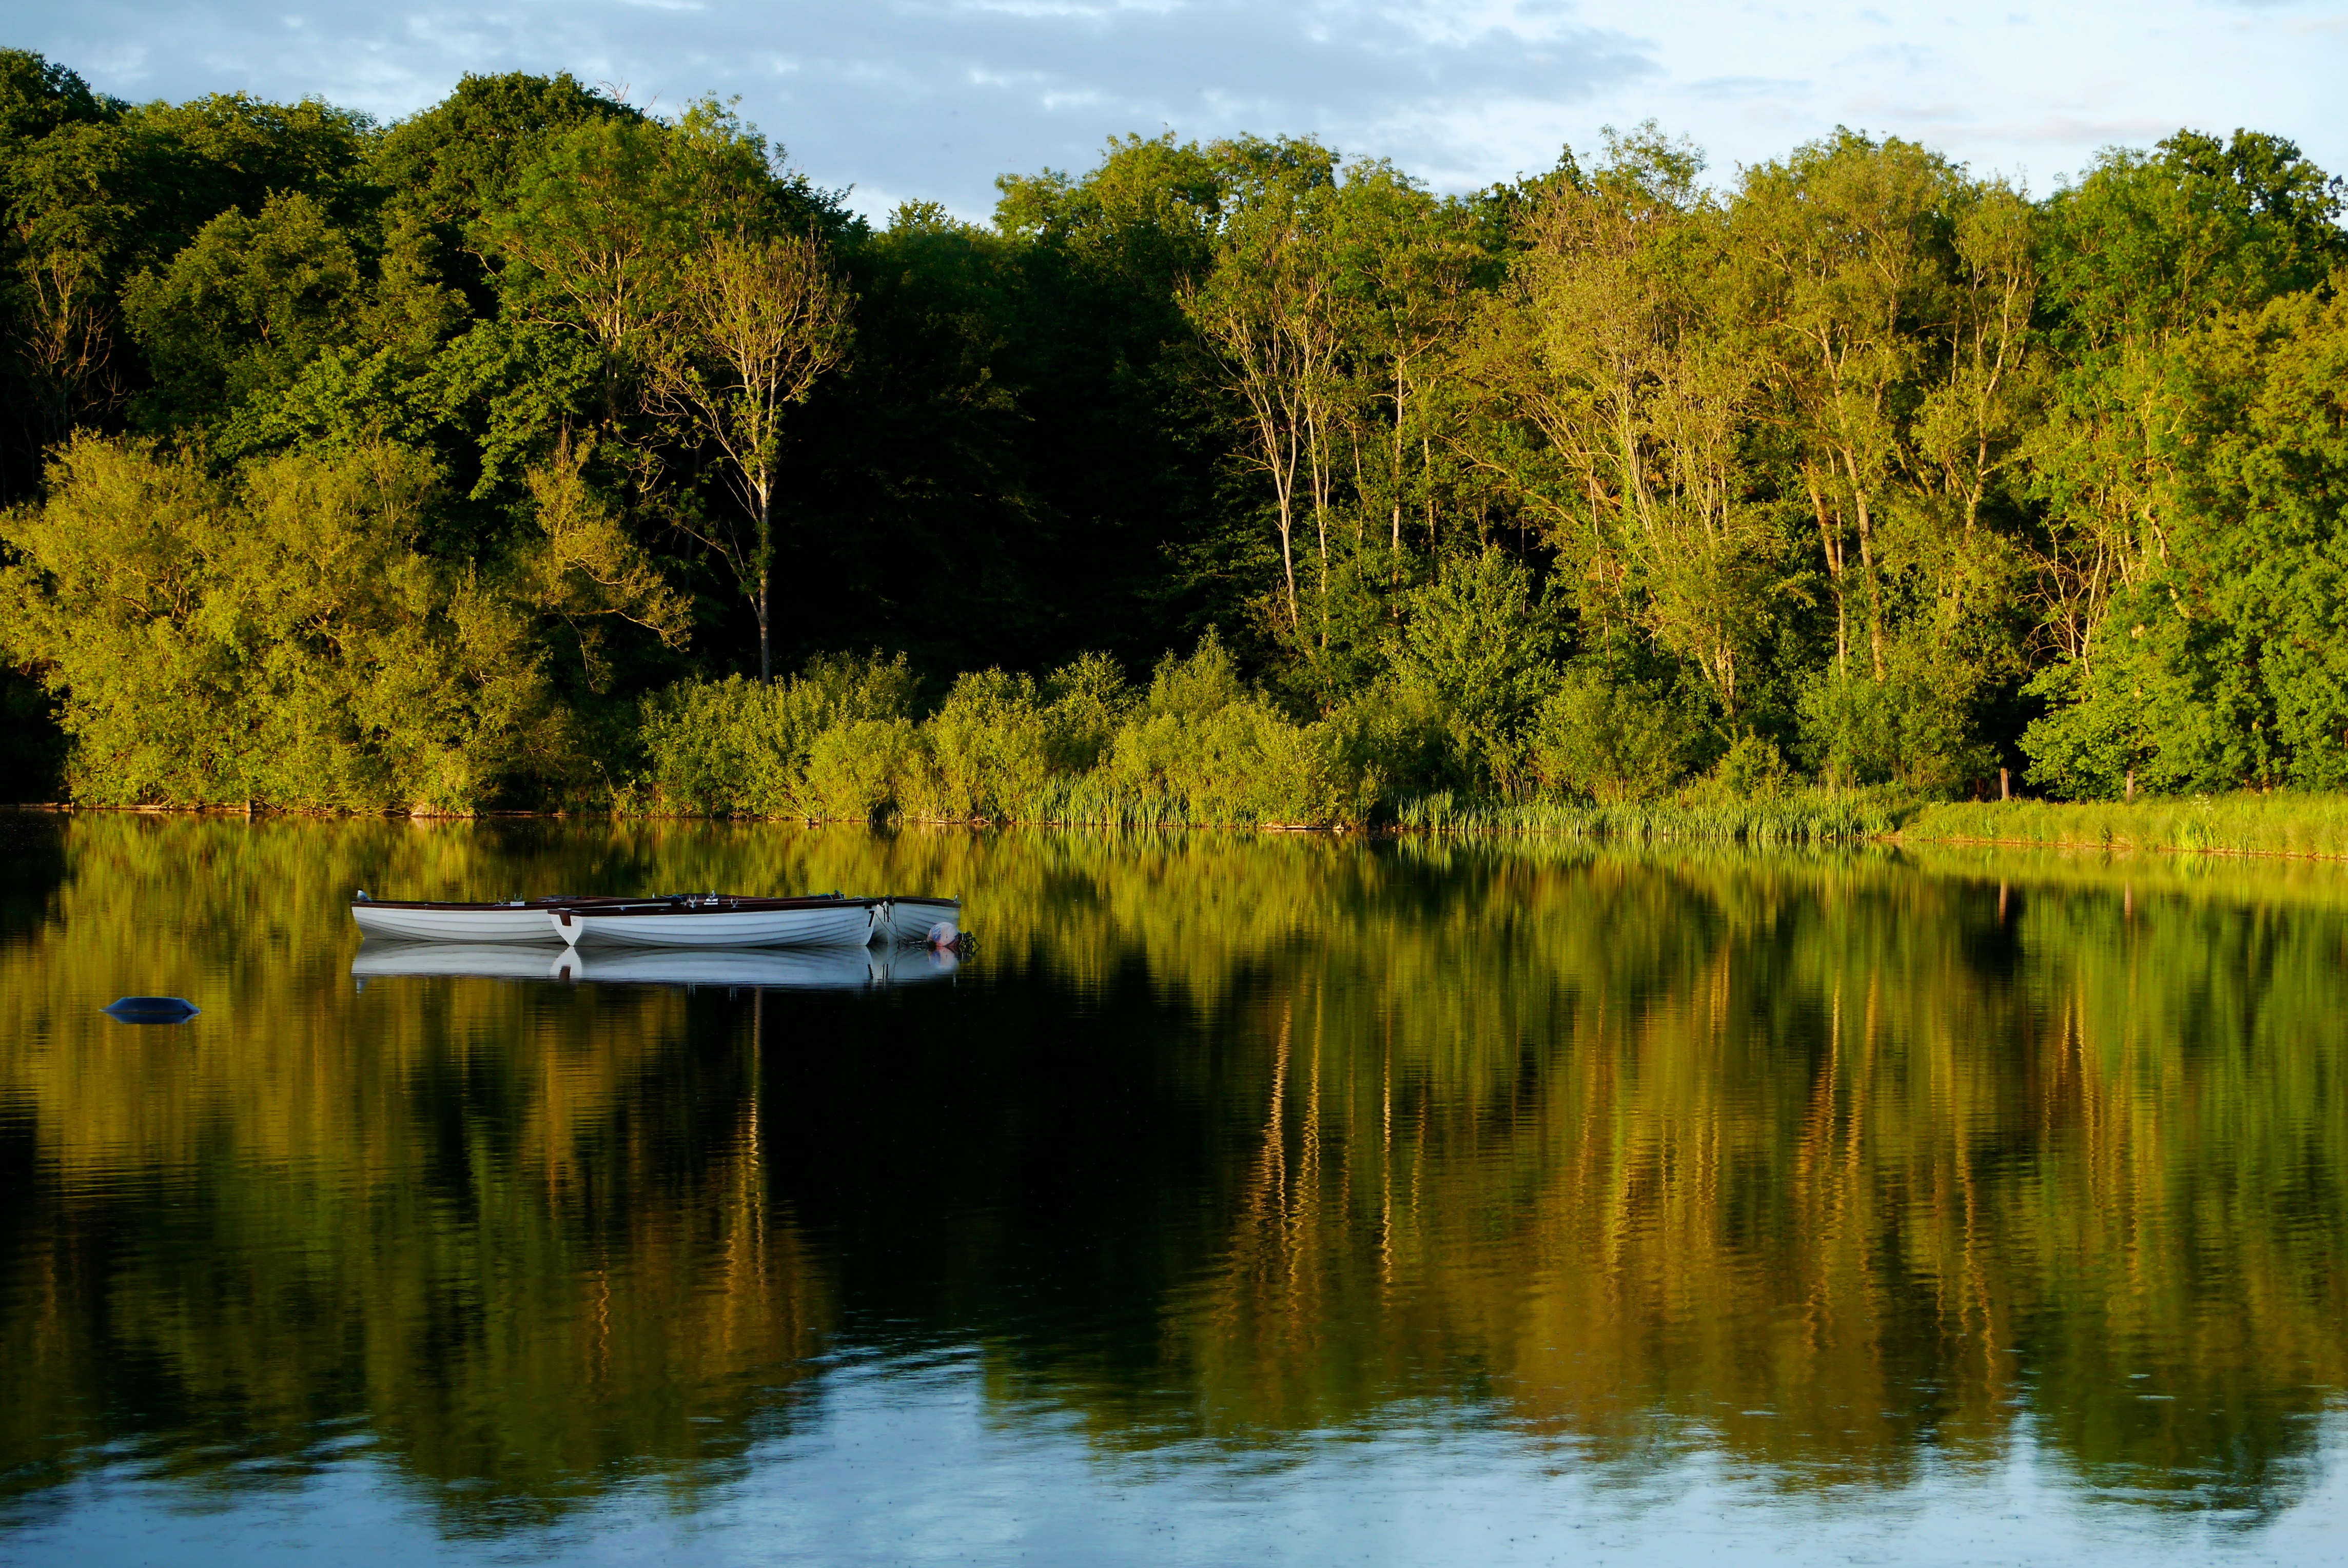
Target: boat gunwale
[724, 905]
[458, 907]
[611, 903]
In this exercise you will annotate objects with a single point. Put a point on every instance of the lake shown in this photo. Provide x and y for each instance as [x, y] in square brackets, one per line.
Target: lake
[1240, 1199]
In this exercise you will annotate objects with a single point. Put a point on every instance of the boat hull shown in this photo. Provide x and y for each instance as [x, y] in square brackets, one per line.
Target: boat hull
[909, 920]
[401, 922]
[846, 924]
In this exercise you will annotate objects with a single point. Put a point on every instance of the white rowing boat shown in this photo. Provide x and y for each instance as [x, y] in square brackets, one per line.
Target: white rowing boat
[719, 921]
[521, 920]
[716, 920]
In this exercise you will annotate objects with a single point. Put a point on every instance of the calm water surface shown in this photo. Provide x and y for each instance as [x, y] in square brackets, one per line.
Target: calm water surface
[1242, 1200]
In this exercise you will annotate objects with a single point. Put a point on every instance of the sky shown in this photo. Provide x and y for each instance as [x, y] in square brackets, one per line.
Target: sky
[930, 99]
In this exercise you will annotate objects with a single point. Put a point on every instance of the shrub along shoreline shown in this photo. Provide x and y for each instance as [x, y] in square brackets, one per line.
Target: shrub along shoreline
[1198, 748]
[848, 740]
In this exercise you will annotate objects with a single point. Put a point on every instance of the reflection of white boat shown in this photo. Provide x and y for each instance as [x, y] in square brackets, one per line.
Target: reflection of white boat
[720, 921]
[519, 919]
[834, 968]
[911, 919]
[487, 960]
[762, 968]
[913, 965]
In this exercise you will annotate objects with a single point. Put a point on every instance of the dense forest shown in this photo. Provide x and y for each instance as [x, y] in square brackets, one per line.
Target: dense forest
[539, 450]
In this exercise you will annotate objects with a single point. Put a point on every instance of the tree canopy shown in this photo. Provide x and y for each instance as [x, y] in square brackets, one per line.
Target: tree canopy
[437, 449]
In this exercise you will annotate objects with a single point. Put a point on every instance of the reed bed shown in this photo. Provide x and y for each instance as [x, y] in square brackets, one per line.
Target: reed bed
[1797, 817]
[2248, 824]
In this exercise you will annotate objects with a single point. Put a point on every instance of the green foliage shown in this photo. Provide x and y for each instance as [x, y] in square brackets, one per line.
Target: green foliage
[278, 641]
[1752, 769]
[989, 746]
[745, 747]
[2227, 663]
[1202, 748]
[1859, 459]
[38, 96]
[457, 161]
[246, 305]
[1478, 648]
[838, 742]
[1598, 738]
[1906, 730]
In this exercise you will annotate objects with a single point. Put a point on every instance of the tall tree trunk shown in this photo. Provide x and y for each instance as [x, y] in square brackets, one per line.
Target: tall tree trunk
[1867, 565]
[1284, 484]
[1316, 453]
[1397, 459]
[766, 579]
[1426, 478]
[1832, 546]
[1874, 588]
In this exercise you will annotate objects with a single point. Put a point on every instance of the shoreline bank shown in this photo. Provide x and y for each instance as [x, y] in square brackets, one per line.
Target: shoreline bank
[2256, 826]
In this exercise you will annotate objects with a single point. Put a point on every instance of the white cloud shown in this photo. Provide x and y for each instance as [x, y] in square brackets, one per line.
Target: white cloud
[933, 98]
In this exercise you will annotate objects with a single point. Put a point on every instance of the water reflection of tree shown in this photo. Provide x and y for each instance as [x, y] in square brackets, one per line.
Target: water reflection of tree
[517, 1239]
[1817, 1170]
[1823, 1162]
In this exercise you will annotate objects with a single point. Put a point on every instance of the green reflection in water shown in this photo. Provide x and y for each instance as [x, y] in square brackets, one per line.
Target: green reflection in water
[1828, 1166]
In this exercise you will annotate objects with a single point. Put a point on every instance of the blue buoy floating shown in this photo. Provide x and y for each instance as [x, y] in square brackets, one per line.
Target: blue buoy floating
[151, 1010]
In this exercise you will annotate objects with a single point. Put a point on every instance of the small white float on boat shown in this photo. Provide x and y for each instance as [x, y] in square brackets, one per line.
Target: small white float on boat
[720, 920]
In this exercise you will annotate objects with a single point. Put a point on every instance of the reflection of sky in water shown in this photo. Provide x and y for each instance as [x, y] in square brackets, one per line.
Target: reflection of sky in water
[911, 1461]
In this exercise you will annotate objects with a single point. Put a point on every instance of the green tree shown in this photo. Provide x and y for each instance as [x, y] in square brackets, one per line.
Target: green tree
[59, 230]
[280, 640]
[1478, 648]
[248, 303]
[1615, 346]
[2226, 664]
[763, 319]
[2145, 260]
[595, 239]
[1269, 311]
